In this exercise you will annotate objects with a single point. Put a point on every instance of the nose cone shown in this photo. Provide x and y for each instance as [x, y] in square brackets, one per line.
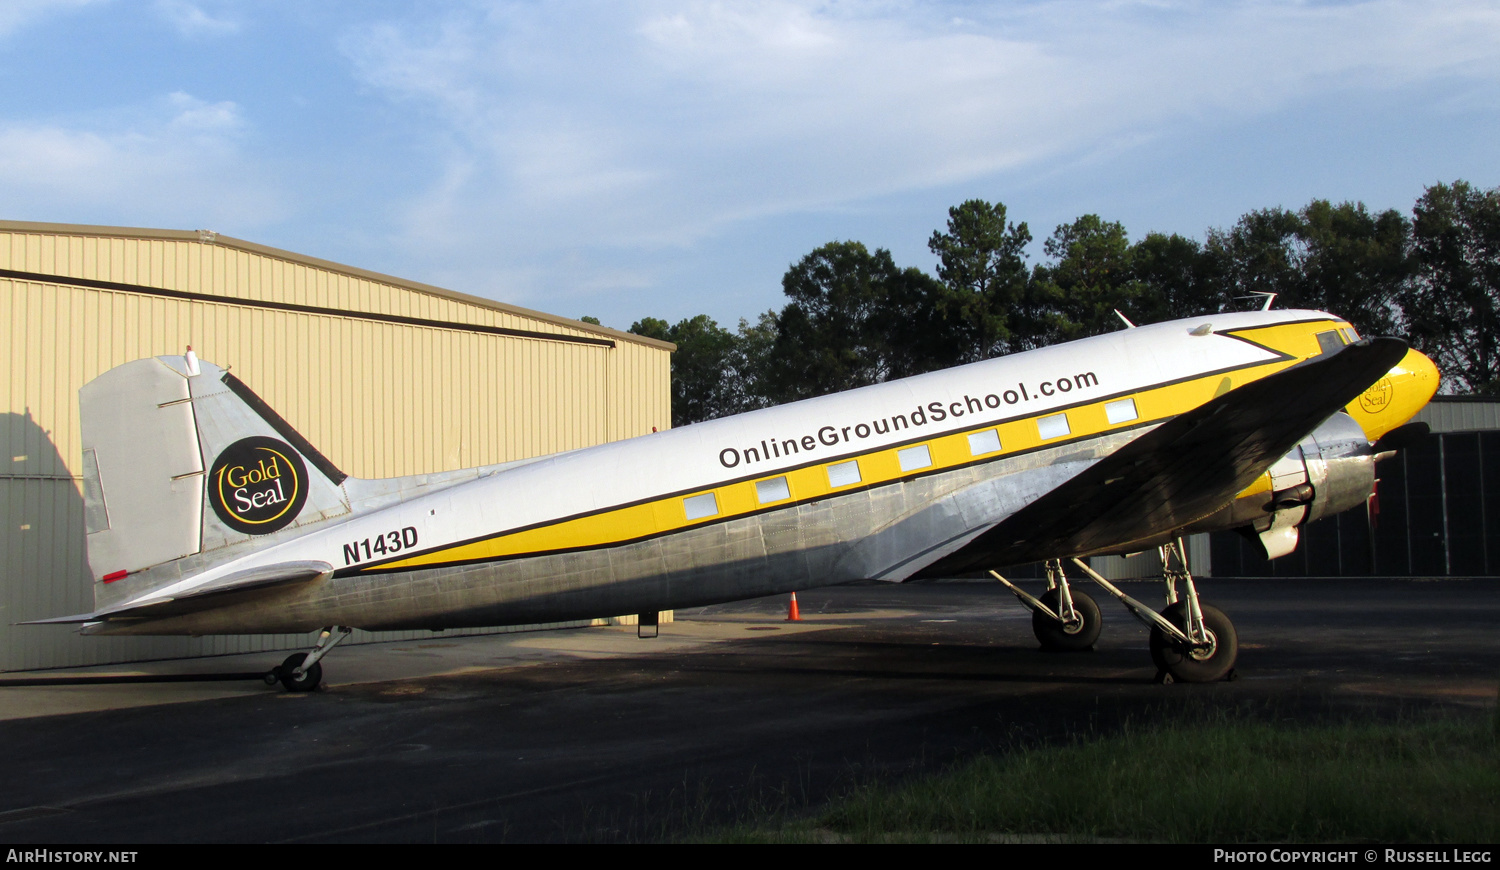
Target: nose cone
[1397, 397]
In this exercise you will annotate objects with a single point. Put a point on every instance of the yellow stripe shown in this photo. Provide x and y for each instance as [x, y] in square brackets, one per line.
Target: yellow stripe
[876, 468]
[1295, 339]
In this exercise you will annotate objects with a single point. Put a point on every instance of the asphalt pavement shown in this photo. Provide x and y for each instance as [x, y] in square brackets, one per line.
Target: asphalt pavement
[732, 713]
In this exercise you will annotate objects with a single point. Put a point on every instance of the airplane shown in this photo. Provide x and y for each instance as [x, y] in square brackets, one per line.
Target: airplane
[208, 513]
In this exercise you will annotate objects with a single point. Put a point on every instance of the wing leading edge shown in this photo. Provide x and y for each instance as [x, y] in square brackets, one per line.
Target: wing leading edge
[1184, 469]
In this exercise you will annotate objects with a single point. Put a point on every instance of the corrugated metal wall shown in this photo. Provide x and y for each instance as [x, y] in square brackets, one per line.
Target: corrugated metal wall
[1437, 515]
[1332, 546]
[380, 399]
[1147, 565]
[1461, 414]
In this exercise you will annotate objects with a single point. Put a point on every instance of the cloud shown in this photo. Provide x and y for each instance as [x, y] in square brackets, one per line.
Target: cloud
[16, 14]
[191, 21]
[568, 125]
[177, 162]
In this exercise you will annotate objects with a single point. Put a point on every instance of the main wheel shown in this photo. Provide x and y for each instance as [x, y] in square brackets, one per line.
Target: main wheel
[1057, 637]
[309, 679]
[1196, 666]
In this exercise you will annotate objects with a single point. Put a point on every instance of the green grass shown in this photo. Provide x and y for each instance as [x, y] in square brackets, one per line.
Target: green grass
[1218, 781]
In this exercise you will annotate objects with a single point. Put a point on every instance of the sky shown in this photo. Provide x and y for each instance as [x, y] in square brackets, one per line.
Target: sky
[667, 159]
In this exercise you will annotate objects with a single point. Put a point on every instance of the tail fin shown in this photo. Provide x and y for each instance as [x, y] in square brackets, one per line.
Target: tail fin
[181, 458]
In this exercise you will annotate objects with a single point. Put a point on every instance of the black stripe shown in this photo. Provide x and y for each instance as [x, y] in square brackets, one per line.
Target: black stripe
[1235, 334]
[303, 309]
[282, 427]
[375, 567]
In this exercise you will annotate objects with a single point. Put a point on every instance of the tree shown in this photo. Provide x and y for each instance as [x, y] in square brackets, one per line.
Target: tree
[1451, 304]
[1091, 278]
[982, 264]
[651, 327]
[748, 372]
[836, 332]
[705, 351]
[1177, 278]
[699, 388]
[1354, 263]
[1257, 256]
[1336, 258]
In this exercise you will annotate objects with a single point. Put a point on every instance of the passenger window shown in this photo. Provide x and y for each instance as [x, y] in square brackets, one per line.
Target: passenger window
[984, 442]
[771, 490]
[843, 474]
[1122, 411]
[699, 506]
[1055, 426]
[912, 458]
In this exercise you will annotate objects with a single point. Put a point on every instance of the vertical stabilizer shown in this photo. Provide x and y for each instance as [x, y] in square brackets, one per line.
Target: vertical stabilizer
[181, 459]
[262, 475]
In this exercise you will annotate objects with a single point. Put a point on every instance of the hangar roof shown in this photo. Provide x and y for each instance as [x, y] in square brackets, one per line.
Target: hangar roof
[211, 237]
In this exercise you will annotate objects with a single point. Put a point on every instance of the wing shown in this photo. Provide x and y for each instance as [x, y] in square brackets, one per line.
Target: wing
[1183, 470]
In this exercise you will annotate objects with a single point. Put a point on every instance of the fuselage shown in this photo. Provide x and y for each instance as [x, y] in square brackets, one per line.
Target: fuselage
[871, 483]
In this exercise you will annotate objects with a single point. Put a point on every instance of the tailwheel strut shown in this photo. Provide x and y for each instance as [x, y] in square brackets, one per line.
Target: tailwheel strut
[301, 672]
[1062, 619]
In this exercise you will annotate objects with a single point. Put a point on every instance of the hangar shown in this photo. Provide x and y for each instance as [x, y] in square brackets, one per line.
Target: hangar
[1436, 513]
[387, 377]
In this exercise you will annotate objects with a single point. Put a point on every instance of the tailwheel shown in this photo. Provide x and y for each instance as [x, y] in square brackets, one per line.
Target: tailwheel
[1073, 635]
[304, 682]
[312, 671]
[1196, 664]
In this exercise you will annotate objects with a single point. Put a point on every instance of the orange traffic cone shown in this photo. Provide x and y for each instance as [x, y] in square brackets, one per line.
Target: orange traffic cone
[792, 614]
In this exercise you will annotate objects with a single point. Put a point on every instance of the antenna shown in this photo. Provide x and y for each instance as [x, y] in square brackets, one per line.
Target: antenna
[1124, 318]
[1270, 297]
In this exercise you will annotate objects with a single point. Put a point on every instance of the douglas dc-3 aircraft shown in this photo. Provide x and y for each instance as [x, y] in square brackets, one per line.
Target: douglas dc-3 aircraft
[207, 513]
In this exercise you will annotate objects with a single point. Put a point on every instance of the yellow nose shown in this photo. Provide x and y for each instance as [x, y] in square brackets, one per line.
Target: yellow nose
[1397, 397]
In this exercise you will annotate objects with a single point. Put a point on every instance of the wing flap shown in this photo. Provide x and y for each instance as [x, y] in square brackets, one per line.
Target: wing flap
[1183, 470]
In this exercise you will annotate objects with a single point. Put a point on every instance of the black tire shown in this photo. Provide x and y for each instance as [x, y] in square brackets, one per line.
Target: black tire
[1172, 658]
[305, 683]
[1056, 637]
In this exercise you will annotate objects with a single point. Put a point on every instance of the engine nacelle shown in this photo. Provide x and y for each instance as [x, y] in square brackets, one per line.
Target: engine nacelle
[1331, 470]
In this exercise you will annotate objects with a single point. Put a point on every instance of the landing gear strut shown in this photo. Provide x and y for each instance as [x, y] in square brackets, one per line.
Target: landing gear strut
[1190, 641]
[1062, 620]
[301, 671]
[1206, 645]
[1205, 662]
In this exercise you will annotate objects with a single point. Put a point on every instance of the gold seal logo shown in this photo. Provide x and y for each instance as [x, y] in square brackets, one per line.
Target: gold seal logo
[257, 485]
[1378, 397]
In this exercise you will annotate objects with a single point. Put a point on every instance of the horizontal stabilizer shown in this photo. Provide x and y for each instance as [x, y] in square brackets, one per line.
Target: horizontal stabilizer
[252, 578]
[1183, 470]
[62, 620]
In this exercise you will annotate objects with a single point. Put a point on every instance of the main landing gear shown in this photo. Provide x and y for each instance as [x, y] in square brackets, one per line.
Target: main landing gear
[1190, 641]
[1062, 620]
[301, 671]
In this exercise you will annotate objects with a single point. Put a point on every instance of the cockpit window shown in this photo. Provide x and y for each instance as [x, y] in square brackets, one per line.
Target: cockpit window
[1330, 342]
